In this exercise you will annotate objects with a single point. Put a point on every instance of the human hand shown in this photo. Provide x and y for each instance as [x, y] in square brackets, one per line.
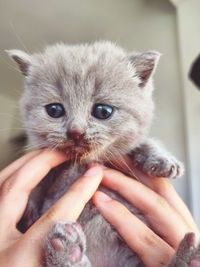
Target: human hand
[166, 213]
[16, 183]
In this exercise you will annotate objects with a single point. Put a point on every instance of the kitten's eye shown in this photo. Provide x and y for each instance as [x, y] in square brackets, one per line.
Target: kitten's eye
[55, 110]
[102, 111]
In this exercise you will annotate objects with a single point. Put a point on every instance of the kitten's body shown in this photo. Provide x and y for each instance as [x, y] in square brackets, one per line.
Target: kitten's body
[82, 78]
[102, 240]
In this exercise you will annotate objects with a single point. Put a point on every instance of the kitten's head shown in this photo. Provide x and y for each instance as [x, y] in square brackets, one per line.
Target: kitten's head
[94, 101]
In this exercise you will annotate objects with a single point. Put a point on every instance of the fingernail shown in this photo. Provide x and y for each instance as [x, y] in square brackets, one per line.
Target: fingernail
[104, 167]
[93, 164]
[103, 197]
[93, 171]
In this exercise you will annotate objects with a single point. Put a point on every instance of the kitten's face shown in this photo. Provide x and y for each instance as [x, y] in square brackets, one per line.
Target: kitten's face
[92, 101]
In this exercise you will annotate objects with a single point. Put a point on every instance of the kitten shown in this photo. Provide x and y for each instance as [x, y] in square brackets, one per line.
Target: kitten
[95, 103]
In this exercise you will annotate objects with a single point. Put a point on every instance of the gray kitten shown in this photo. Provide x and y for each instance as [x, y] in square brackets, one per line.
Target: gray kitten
[95, 103]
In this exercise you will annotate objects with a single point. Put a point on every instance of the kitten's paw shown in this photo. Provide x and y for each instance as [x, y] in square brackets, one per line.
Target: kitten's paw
[160, 166]
[65, 246]
[152, 159]
[164, 167]
[188, 253]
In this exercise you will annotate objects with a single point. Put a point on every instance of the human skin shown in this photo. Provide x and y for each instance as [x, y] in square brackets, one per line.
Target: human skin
[16, 183]
[156, 198]
[168, 216]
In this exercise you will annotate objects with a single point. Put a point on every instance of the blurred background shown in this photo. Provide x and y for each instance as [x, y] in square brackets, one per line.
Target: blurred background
[171, 27]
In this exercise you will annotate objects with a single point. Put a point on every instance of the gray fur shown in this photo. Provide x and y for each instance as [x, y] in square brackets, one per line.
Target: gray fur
[66, 246]
[188, 253]
[78, 76]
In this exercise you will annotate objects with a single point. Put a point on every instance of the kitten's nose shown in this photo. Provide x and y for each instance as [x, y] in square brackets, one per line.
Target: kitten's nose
[75, 134]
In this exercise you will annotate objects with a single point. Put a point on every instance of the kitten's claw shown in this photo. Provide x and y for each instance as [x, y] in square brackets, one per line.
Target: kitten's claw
[65, 246]
[188, 253]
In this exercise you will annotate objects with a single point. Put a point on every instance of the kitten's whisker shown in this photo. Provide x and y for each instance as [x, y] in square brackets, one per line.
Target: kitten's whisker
[108, 151]
[38, 129]
[76, 158]
[40, 145]
[124, 163]
[94, 145]
[55, 147]
[94, 149]
[18, 37]
[107, 157]
[9, 65]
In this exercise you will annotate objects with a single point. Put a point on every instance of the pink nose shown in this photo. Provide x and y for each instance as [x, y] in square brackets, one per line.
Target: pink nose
[75, 134]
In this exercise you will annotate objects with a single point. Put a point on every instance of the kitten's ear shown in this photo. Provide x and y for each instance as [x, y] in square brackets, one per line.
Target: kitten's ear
[144, 65]
[21, 58]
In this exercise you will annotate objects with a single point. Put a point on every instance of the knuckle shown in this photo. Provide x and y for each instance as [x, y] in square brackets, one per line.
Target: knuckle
[167, 256]
[163, 187]
[161, 201]
[51, 215]
[157, 201]
[151, 240]
[6, 187]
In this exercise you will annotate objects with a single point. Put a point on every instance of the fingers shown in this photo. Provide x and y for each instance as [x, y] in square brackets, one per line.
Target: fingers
[146, 200]
[72, 203]
[68, 207]
[164, 188]
[138, 236]
[5, 173]
[15, 190]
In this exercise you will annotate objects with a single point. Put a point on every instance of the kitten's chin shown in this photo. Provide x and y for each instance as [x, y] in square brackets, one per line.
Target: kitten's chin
[81, 153]
[78, 154]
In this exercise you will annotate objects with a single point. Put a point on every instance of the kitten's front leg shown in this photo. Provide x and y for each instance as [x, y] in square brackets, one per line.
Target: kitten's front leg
[66, 246]
[154, 160]
[188, 253]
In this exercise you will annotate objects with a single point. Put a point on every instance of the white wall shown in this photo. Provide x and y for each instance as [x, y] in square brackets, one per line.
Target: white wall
[8, 121]
[188, 23]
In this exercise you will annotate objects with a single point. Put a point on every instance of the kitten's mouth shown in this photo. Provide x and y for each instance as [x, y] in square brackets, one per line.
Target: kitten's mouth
[76, 151]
